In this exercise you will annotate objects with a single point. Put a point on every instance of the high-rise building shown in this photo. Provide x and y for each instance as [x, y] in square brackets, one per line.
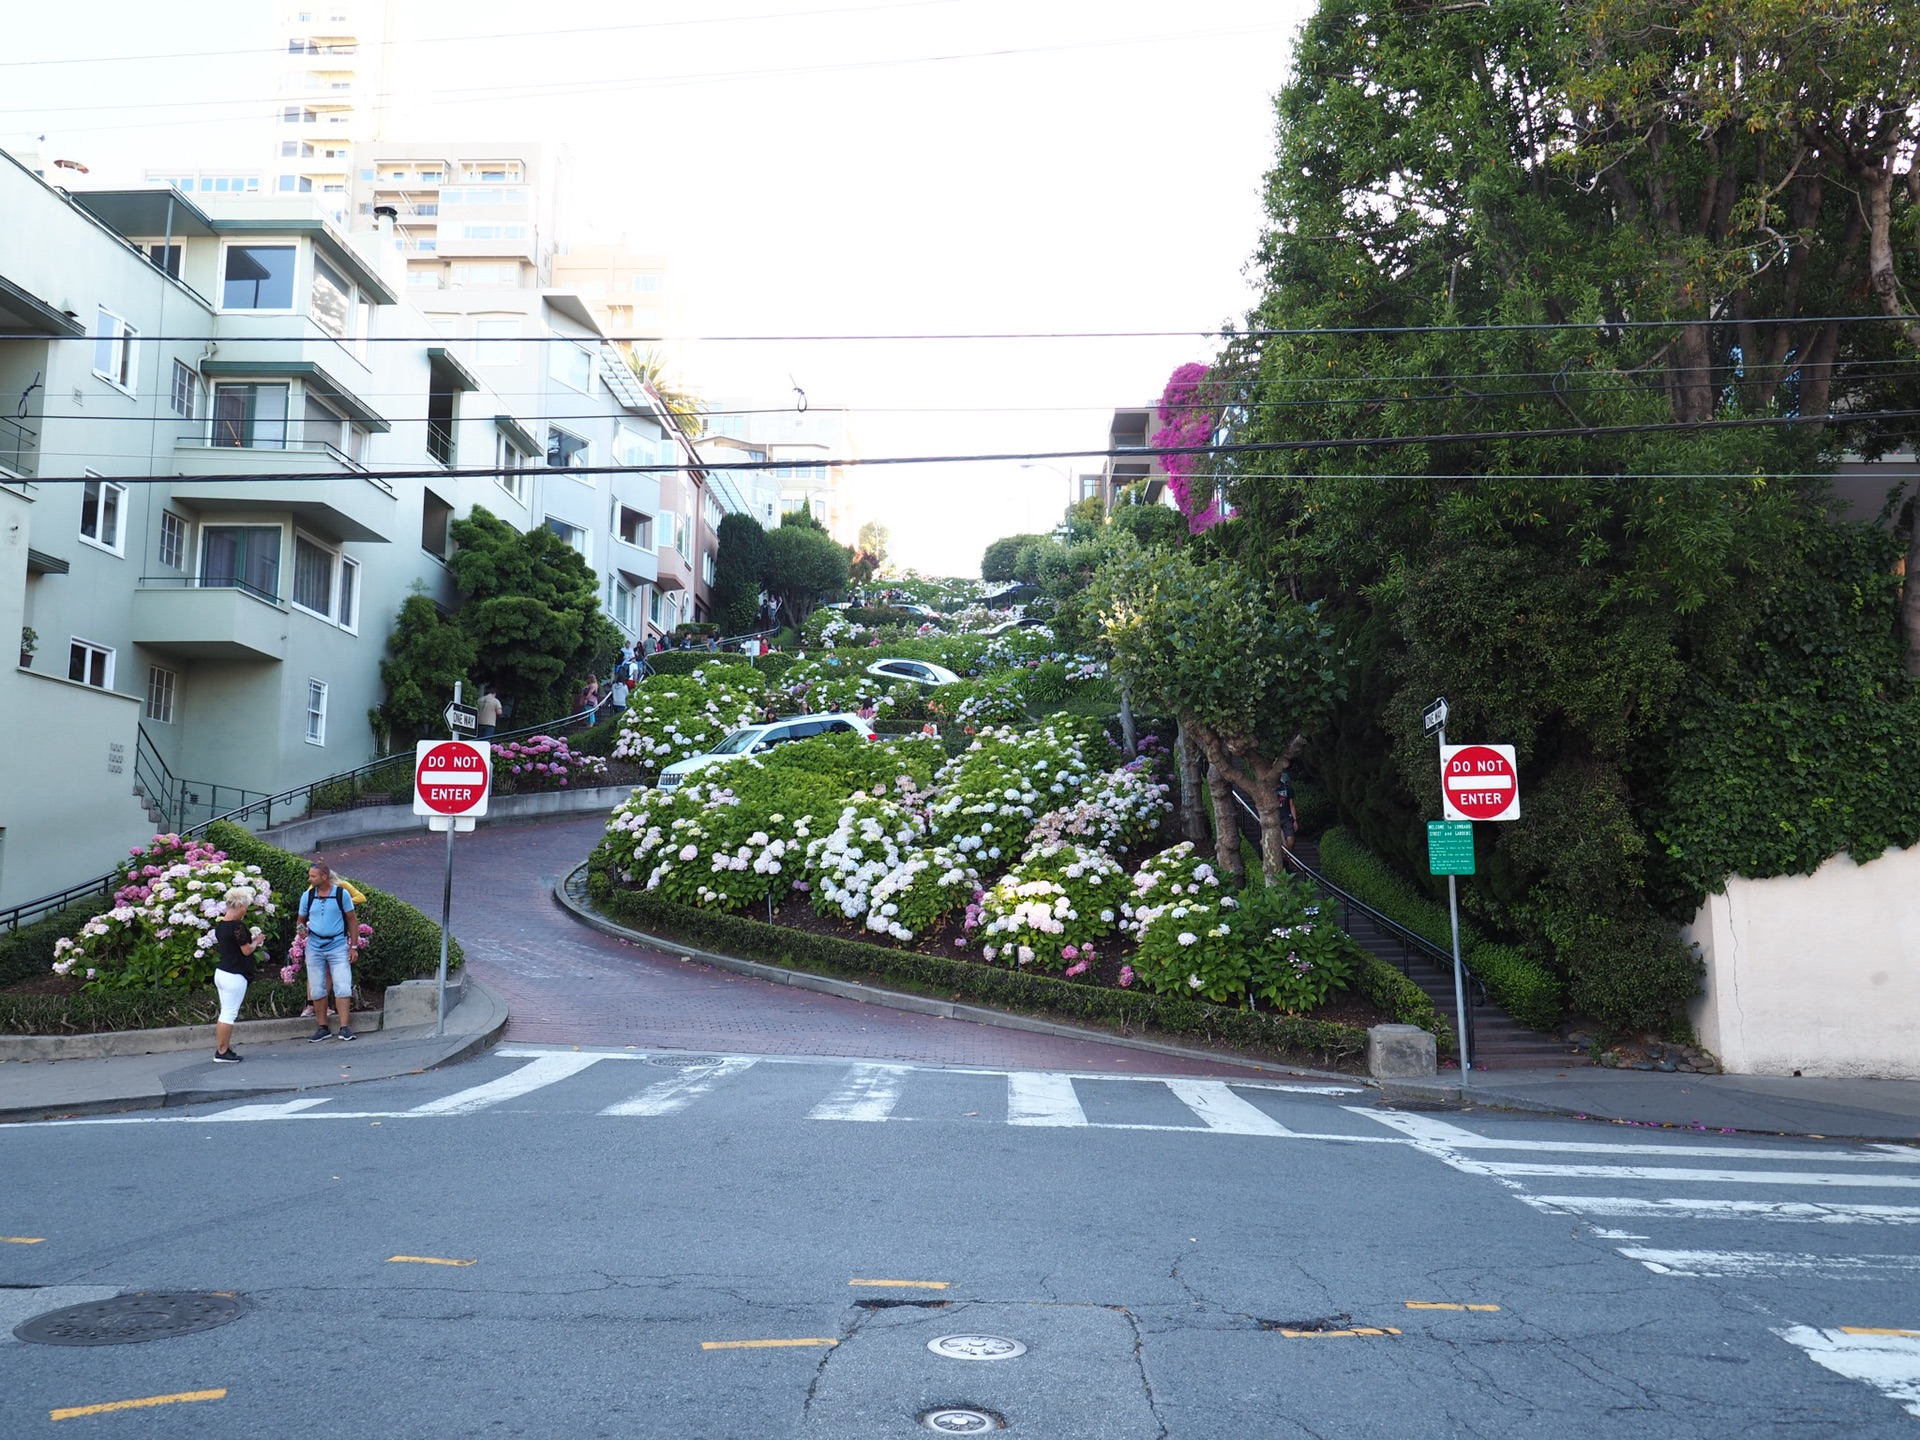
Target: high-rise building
[631, 291]
[332, 93]
[466, 215]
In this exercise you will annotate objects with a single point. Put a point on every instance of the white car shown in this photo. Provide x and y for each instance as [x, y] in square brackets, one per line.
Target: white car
[757, 739]
[920, 672]
[1005, 626]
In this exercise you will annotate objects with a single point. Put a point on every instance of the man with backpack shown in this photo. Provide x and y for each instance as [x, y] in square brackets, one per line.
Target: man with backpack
[331, 932]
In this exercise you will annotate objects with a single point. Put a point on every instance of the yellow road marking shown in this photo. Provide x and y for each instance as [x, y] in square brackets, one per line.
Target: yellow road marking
[23, 1239]
[906, 1284]
[1330, 1334]
[1870, 1330]
[184, 1397]
[759, 1344]
[1445, 1305]
[423, 1260]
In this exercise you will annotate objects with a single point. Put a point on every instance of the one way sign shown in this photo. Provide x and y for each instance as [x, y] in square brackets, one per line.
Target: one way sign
[462, 718]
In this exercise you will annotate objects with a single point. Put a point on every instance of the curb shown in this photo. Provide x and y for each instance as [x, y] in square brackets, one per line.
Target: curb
[918, 1004]
[474, 1044]
[117, 1044]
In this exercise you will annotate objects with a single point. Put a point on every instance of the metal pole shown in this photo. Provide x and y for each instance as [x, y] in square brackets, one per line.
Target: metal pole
[446, 926]
[1459, 978]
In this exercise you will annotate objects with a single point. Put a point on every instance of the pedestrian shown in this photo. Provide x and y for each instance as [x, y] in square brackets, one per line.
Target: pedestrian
[331, 933]
[487, 712]
[236, 942]
[617, 692]
[1289, 814]
[588, 700]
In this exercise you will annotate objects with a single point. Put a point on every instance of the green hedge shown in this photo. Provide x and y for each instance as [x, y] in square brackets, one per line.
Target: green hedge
[28, 952]
[406, 944]
[1515, 981]
[685, 662]
[390, 780]
[1293, 1036]
[773, 666]
[95, 1010]
[1404, 1002]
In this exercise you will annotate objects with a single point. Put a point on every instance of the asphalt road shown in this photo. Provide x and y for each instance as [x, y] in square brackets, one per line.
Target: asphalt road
[625, 1229]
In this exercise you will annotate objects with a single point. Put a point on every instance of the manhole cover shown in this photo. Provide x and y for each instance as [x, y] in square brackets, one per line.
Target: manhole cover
[977, 1347]
[129, 1319]
[961, 1420]
[680, 1062]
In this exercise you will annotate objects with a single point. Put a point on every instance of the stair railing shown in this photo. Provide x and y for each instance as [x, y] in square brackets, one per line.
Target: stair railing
[155, 780]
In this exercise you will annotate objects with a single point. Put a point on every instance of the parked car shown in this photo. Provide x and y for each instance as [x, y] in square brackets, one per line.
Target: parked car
[757, 739]
[921, 672]
[1025, 622]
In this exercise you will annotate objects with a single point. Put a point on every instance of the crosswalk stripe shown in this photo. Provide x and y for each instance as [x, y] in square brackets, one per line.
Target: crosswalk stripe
[277, 1111]
[869, 1092]
[1223, 1111]
[1889, 1363]
[1676, 1176]
[534, 1075]
[1799, 1212]
[1426, 1129]
[1761, 1265]
[1035, 1098]
[678, 1092]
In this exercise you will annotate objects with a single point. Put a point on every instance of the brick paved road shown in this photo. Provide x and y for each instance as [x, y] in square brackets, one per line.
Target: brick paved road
[564, 983]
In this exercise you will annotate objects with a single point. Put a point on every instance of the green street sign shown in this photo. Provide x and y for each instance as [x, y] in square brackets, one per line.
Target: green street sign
[1450, 847]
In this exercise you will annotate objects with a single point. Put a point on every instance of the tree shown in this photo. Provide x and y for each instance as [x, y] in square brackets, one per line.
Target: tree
[1247, 671]
[874, 538]
[689, 411]
[740, 559]
[1150, 526]
[803, 567]
[532, 611]
[997, 564]
[427, 654]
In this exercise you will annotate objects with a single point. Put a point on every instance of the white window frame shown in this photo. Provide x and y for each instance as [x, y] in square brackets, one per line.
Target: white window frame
[174, 534]
[317, 270]
[301, 537]
[113, 343]
[347, 583]
[560, 347]
[584, 454]
[186, 391]
[293, 305]
[117, 545]
[162, 686]
[623, 604]
[92, 648]
[316, 719]
[644, 530]
[510, 467]
[579, 546]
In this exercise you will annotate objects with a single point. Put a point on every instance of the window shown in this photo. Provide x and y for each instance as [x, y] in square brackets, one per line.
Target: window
[633, 448]
[706, 567]
[90, 664]
[571, 364]
[440, 405]
[312, 577]
[575, 537]
[564, 448]
[246, 557]
[102, 513]
[250, 417]
[113, 352]
[423, 277]
[633, 527]
[332, 308]
[436, 525]
[504, 275]
[509, 467]
[160, 688]
[165, 258]
[496, 339]
[316, 712]
[173, 540]
[653, 606]
[186, 390]
[320, 426]
[493, 232]
[258, 277]
[622, 604]
[347, 614]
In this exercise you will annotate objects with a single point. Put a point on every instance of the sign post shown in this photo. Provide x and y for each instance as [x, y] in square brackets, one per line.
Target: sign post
[1477, 782]
[451, 782]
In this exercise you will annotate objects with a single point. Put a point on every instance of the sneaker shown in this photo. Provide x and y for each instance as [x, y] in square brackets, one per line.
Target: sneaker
[226, 1057]
[346, 1034]
[321, 1034]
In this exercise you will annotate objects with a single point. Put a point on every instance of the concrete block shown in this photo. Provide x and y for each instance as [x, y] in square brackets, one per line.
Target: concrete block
[1396, 1052]
[416, 1002]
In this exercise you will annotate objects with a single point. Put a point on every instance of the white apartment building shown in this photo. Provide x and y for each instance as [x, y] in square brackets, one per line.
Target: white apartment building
[466, 216]
[202, 406]
[806, 448]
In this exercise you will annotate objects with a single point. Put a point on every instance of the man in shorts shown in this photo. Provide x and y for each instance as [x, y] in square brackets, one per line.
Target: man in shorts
[332, 934]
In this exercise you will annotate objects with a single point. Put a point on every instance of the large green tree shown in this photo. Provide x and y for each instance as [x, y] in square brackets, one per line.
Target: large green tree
[803, 567]
[740, 559]
[427, 655]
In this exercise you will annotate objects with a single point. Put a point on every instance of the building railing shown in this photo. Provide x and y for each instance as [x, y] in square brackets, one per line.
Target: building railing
[207, 582]
[17, 447]
[319, 447]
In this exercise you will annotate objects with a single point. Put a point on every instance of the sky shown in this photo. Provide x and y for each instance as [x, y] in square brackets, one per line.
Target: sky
[814, 168]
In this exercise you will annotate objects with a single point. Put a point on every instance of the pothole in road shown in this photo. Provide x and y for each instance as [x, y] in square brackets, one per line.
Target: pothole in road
[961, 1420]
[131, 1319]
[1324, 1323]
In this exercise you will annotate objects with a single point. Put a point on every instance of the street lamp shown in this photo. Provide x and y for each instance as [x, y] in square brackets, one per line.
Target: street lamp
[1063, 474]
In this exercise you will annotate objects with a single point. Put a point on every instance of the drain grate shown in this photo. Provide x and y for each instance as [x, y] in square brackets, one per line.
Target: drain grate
[977, 1347]
[961, 1420]
[130, 1319]
[1324, 1323]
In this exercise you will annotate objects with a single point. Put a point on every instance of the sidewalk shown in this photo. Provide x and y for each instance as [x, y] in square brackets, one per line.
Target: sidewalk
[1884, 1110]
[45, 1089]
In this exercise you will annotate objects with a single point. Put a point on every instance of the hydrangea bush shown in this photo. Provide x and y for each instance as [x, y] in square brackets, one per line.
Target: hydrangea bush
[1176, 875]
[544, 762]
[1051, 909]
[874, 867]
[670, 717]
[974, 705]
[159, 931]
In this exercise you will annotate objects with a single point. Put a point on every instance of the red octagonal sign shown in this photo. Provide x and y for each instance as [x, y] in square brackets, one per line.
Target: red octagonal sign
[452, 777]
[1479, 782]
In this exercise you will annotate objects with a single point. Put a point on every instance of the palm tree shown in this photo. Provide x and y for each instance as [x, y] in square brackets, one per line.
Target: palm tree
[687, 408]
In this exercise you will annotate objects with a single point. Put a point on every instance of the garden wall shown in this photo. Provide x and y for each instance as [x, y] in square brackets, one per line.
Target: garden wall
[370, 821]
[1815, 974]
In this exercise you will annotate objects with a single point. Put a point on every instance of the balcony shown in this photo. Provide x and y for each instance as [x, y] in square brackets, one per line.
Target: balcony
[180, 616]
[341, 506]
[17, 447]
[639, 562]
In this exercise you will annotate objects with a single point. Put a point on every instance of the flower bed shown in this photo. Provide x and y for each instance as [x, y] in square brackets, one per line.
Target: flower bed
[671, 717]
[543, 762]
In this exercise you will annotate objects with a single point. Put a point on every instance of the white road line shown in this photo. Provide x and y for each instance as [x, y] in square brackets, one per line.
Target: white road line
[1793, 1212]
[869, 1092]
[529, 1053]
[279, 1111]
[1677, 1176]
[673, 1095]
[1761, 1265]
[1438, 1132]
[535, 1075]
[1223, 1110]
[1889, 1363]
[1035, 1098]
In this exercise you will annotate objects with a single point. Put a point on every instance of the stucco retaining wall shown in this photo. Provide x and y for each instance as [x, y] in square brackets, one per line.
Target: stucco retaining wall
[372, 821]
[1815, 974]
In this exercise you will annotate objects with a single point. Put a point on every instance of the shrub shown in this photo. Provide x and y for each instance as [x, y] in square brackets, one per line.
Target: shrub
[689, 662]
[975, 705]
[874, 867]
[1047, 685]
[1049, 910]
[543, 762]
[27, 953]
[670, 717]
[772, 667]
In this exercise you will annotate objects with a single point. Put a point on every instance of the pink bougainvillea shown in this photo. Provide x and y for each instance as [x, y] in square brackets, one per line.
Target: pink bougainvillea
[1186, 420]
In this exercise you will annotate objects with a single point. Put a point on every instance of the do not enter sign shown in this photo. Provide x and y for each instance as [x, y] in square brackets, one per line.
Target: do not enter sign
[1479, 782]
[452, 777]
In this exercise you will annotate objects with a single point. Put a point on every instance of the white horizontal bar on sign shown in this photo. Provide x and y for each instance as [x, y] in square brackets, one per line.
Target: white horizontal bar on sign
[1760, 1265]
[1791, 1212]
[1479, 782]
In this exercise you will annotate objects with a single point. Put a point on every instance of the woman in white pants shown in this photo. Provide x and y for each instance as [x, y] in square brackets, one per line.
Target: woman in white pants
[234, 972]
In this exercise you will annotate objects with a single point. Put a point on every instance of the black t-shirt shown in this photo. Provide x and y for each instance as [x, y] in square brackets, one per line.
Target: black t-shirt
[230, 935]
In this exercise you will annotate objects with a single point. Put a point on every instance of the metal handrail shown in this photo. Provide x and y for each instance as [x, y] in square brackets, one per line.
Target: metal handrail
[155, 780]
